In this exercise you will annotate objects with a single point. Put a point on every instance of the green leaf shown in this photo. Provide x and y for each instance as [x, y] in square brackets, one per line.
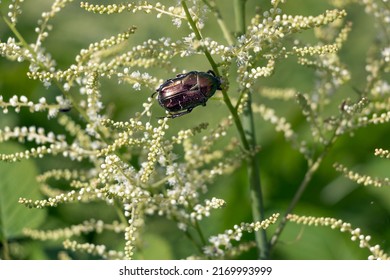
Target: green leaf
[17, 180]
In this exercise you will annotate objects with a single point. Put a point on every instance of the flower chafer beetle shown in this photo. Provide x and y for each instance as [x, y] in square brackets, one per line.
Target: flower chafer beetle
[182, 94]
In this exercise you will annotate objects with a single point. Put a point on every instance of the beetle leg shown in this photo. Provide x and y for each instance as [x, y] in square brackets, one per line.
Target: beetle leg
[195, 87]
[180, 113]
[154, 93]
[197, 83]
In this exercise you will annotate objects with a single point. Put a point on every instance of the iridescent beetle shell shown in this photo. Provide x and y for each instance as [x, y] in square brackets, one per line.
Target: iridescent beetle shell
[182, 94]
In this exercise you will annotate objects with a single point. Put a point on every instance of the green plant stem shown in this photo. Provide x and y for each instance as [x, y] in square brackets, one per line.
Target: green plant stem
[302, 187]
[220, 21]
[253, 161]
[226, 98]
[198, 230]
[239, 7]
[247, 133]
[5, 255]
[256, 193]
[196, 244]
[4, 242]
[120, 213]
[16, 33]
[201, 235]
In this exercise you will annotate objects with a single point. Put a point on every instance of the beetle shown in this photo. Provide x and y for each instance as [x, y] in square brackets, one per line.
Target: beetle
[182, 94]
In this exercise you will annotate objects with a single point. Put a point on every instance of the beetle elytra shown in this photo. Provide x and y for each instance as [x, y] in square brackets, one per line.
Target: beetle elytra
[182, 94]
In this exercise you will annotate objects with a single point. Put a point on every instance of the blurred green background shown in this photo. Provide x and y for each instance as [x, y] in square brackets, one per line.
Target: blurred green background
[282, 168]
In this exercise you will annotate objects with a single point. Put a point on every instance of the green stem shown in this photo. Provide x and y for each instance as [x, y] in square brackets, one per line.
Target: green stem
[302, 187]
[120, 213]
[6, 255]
[199, 36]
[239, 7]
[196, 244]
[226, 98]
[253, 162]
[16, 33]
[256, 194]
[247, 133]
[220, 21]
[201, 235]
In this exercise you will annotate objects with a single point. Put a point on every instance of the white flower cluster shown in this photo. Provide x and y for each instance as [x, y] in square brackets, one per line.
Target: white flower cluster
[17, 102]
[361, 179]
[221, 244]
[75, 230]
[55, 143]
[365, 180]
[333, 223]
[382, 153]
[175, 12]
[11, 50]
[204, 210]
[93, 249]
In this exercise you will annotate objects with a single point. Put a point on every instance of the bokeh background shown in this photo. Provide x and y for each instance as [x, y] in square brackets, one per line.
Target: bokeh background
[282, 168]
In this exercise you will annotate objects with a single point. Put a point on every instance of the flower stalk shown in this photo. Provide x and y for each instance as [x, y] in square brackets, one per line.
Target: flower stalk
[246, 129]
[226, 98]
[253, 164]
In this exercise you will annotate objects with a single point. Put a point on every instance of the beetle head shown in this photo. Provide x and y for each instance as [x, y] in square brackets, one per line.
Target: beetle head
[211, 72]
